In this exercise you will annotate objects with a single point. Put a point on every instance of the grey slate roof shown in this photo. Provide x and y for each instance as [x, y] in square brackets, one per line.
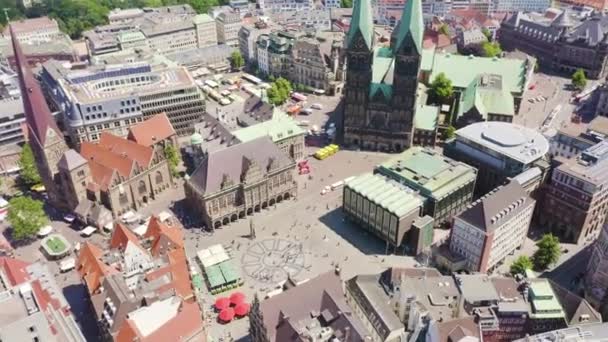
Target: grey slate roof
[492, 210]
[591, 31]
[230, 163]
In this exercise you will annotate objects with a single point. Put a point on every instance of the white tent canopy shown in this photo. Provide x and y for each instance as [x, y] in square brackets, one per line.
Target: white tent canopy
[88, 231]
[140, 230]
[67, 264]
[212, 256]
[44, 231]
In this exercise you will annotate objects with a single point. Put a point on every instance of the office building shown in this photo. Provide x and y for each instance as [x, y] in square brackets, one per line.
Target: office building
[277, 6]
[382, 82]
[162, 30]
[12, 115]
[305, 19]
[316, 62]
[140, 287]
[34, 30]
[387, 209]
[510, 6]
[492, 227]
[596, 276]
[33, 305]
[562, 43]
[239, 6]
[332, 4]
[111, 98]
[274, 53]
[228, 25]
[575, 202]
[239, 180]
[445, 185]
[502, 150]
[248, 38]
[38, 50]
[206, 31]
[313, 310]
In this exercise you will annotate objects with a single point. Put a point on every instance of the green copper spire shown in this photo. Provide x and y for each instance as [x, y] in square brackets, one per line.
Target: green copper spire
[361, 22]
[411, 22]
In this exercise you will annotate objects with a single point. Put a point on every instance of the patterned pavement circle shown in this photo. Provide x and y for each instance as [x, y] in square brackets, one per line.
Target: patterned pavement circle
[272, 260]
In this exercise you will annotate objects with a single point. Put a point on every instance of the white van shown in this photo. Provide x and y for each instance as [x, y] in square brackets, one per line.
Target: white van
[67, 265]
[316, 106]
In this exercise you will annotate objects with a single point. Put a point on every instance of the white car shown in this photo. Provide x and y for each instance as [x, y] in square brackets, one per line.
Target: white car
[69, 218]
[316, 106]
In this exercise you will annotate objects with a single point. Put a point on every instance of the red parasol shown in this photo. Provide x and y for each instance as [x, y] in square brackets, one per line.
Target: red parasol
[241, 309]
[237, 298]
[222, 303]
[226, 315]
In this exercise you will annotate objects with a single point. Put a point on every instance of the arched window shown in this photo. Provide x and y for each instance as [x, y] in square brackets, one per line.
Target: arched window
[142, 187]
[159, 177]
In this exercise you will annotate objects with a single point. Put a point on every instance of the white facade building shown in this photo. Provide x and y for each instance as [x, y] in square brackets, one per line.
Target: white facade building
[492, 227]
[228, 25]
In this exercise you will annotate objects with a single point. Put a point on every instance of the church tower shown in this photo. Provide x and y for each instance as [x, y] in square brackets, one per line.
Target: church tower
[406, 43]
[359, 46]
[45, 138]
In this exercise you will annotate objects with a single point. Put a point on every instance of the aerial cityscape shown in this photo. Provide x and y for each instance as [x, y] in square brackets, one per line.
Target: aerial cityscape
[304, 170]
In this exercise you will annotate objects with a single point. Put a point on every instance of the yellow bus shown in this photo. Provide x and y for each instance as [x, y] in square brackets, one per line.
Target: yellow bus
[333, 148]
[321, 154]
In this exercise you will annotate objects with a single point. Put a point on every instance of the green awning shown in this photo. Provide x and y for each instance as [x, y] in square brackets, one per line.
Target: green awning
[228, 271]
[214, 276]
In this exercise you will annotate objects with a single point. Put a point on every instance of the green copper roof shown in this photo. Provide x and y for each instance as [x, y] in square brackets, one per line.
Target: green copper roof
[361, 21]
[428, 172]
[426, 118]
[382, 73]
[196, 139]
[280, 127]
[388, 194]
[487, 100]
[411, 24]
[462, 70]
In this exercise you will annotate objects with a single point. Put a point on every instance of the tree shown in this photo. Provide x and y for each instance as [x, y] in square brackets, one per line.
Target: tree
[279, 91]
[450, 132]
[26, 216]
[487, 33]
[491, 49]
[548, 252]
[236, 60]
[444, 29]
[346, 3]
[521, 264]
[29, 172]
[173, 158]
[441, 87]
[579, 80]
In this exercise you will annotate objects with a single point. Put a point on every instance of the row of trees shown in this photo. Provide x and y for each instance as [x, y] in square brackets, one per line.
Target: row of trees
[76, 16]
[547, 254]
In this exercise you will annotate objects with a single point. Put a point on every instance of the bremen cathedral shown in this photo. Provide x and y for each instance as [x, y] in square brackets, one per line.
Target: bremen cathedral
[382, 81]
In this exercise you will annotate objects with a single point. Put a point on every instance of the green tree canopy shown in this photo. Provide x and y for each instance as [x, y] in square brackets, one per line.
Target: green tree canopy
[521, 264]
[173, 158]
[548, 252]
[579, 80]
[236, 60]
[279, 91]
[491, 49]
[29, 172]
[441, 87]
[346, 3]
[26, 216]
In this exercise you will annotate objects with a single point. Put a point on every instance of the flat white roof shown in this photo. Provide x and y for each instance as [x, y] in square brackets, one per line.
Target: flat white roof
[212, 255]
[149, 318]
[517, 142]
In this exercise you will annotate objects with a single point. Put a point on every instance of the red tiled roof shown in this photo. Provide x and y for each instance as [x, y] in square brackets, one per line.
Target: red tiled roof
[121, 236]
[14, 270]
[96, 153]
[128, 332]
[180, 273]
[182, 327]
[163, 236]
[37, 113]
[126, 149]
[151, 131]
[101, 175]
[90, 267]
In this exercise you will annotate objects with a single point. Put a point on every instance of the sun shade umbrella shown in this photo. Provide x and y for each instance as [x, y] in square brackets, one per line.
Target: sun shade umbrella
[241, 309]
[222, 303]
[227, 315]
[237, 298]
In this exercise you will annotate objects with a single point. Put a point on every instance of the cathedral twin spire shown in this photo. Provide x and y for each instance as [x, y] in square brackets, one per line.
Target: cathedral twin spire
[410, 28]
